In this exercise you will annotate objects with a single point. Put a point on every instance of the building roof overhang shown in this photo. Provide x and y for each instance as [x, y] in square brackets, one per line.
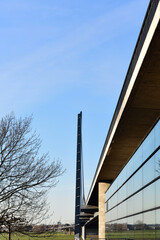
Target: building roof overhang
[89, 209]
[138, 107]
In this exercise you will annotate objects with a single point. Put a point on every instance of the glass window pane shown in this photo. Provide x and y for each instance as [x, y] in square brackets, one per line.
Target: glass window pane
[138, 226]
[157, 134]
[122, 194]
[130, 204]
[157, 164]
[149, 171]
[122, 209]
[137, 199]
[108, 229]
[108, 216]
[118, 180]
[129, 168]
[158, 193]
[113, 188]
[137, 158]
[122, 228]
[118, 229]
[137, 180]
[148, 145]
[130, 228]
[149, 197]
[122, 177]
[112, 201]
[113, 214]
[119, 212]
[149, 225]
[129, 187]
[106, 206]
[107, 194]
[113, 230]
[157, 224]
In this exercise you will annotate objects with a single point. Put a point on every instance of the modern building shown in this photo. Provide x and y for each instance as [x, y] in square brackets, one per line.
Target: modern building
[124, 198]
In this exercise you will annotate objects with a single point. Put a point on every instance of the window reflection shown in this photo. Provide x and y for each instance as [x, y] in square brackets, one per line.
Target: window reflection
[149, 225]
[157, 224]
[137, 200]
[137, 158]
[112, 201]
[138, 226]
[122, 210]
[157, 164]
[137, 180]
[133, 213]
[158, 193]
[130, 186]
[109, 230]
[149, 171]
[122, 193]
[117, 229]
[107, 194]
[113, 187]
[130, 228]
[130, 206]
[106, 206]
[122, 228]
[108, 216]
[129, 168]
[149, 197]
[148, 145]
[157, 135]
[121, 178]
[113, 214]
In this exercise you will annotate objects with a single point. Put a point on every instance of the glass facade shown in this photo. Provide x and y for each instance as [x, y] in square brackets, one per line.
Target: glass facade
[133, 199]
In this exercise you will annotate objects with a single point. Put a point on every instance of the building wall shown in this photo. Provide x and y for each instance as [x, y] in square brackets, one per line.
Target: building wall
[133, 200]
[102, 187]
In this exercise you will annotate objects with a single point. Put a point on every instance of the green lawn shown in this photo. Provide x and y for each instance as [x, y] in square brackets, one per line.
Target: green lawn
[146, 235]
[44, 236]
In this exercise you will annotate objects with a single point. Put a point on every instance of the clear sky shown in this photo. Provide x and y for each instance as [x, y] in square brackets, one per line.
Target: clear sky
[60, 57]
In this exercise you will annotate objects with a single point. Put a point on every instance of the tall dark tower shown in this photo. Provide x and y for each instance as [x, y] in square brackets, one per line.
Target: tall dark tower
[79, 198]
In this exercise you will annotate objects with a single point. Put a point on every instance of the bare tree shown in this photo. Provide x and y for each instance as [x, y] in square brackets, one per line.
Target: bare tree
[25, 177]
[39, 228]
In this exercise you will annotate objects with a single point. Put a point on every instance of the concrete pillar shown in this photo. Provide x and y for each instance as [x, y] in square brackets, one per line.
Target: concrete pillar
[102, 188]
[83, 233]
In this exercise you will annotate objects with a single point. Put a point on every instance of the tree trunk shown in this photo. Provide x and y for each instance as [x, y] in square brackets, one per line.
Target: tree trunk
[9, 232]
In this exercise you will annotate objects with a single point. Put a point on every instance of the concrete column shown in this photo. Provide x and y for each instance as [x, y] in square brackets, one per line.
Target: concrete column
[83, 233]
[102, 188]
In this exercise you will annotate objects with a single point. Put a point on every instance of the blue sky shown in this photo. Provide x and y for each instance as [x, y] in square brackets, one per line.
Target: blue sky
[58, 58]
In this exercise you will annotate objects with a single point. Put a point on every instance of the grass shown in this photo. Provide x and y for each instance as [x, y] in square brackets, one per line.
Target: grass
[44, 236]
[146, 234]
